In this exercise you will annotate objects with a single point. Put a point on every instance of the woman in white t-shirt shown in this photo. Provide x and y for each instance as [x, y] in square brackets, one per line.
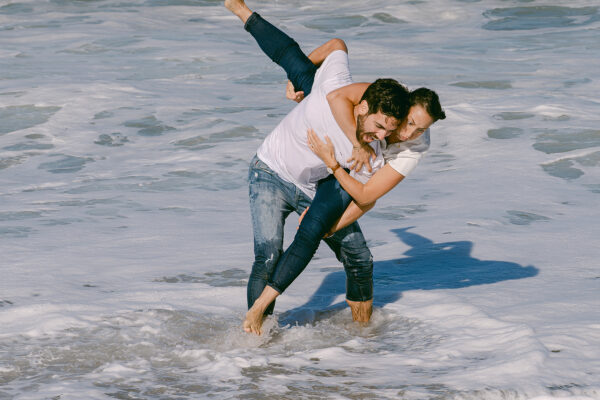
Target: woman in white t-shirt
[402, 150]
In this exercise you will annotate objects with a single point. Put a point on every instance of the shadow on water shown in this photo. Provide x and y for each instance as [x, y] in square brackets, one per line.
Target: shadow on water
[426, 265]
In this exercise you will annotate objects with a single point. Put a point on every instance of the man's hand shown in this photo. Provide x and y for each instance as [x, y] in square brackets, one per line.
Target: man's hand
[291, 93]
[362, 156]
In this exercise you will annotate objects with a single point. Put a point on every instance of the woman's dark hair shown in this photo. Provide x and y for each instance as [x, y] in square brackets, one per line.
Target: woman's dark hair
[388, 96]
[430, 102]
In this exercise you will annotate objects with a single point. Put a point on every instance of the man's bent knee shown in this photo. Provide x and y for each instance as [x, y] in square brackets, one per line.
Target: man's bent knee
[361, 310]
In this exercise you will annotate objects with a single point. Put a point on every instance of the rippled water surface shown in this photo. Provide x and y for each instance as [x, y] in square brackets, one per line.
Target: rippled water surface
[126, 128]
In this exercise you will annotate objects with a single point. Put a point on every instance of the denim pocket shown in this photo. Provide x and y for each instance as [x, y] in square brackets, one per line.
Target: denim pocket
[257, 164]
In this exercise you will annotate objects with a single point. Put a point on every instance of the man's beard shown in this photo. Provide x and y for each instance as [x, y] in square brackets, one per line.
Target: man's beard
[360, 129]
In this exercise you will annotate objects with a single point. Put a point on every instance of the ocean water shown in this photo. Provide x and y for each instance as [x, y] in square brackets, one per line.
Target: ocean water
[126, 129]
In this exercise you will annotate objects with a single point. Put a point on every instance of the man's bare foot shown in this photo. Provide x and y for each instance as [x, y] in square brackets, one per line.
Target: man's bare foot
[254, 320]
[239, 8]
[255, 315]
[361, 310]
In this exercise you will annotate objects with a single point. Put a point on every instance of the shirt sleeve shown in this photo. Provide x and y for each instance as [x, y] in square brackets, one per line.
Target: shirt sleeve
[405, 163]
[409, 154]
[334, 72]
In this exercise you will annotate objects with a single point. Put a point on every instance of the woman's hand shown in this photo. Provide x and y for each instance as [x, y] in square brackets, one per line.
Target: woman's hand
[362, 156]
[290, 93]
[325, 151]
[301, 217]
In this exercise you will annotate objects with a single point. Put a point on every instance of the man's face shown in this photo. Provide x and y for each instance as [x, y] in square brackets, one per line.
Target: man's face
[374, 127]
[417, 122]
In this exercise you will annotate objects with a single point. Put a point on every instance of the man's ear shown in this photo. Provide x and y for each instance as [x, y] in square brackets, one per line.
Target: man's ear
[363, 108]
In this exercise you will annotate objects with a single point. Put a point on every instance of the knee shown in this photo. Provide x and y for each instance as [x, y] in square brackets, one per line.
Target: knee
[355, 252]
[266, 255]
[359, 257]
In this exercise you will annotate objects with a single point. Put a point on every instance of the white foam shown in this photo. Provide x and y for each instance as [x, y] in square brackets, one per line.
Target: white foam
[113, 257]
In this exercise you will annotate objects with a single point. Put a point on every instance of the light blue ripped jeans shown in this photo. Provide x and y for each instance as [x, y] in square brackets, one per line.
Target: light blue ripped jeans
[271, 201]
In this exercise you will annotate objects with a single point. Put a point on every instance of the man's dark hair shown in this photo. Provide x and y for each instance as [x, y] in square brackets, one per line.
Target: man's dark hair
[430, 102]
[388, 96]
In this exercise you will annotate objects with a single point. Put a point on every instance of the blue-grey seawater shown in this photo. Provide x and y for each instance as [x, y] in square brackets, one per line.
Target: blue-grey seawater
[126, 129]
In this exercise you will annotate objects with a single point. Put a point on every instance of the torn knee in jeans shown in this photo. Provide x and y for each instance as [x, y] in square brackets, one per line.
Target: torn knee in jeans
[266, 256]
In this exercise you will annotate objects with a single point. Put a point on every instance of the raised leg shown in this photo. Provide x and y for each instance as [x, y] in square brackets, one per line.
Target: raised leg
[279, 47]
[239, 8]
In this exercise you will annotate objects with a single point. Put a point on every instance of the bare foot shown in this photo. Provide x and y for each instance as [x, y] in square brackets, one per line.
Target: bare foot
[239, 8]
[361, 310]
[254, 320]
[255, 315]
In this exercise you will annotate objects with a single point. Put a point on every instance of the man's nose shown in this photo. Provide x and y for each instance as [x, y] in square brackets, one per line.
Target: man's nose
[381, 134]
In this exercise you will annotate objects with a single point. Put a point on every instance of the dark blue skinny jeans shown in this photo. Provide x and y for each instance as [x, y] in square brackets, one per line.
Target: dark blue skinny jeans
[284, 51]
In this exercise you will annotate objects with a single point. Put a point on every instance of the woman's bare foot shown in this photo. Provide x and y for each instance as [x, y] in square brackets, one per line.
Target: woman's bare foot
[239, 8]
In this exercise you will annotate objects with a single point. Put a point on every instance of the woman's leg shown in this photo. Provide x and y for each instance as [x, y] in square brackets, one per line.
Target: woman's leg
[329, 204]
[278, 46]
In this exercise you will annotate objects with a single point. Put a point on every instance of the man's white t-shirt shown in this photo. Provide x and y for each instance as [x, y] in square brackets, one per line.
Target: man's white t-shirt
[405, 156]
[286, 150]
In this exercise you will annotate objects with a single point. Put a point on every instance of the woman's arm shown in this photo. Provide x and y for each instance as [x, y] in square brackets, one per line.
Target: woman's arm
[352, 213]
[380, 183]
[363, 194]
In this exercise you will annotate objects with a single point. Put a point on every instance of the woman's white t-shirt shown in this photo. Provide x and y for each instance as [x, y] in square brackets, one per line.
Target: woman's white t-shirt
[404, 156]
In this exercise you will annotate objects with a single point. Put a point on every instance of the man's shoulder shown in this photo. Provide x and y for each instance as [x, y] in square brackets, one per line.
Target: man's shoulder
[333, 73]
[336, 56]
